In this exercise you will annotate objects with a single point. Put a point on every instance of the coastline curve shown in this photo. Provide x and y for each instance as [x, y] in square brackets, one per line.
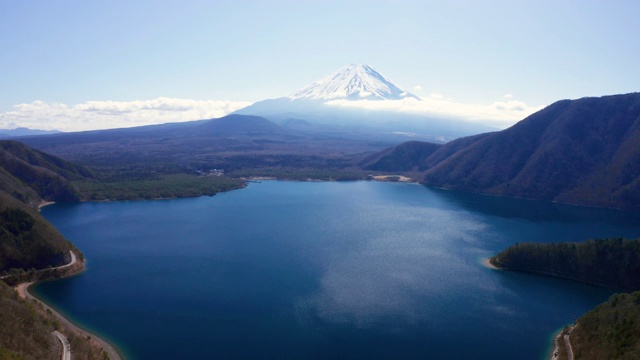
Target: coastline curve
[23, 291]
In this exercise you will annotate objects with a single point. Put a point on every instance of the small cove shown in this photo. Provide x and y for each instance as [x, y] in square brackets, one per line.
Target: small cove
[293, 270]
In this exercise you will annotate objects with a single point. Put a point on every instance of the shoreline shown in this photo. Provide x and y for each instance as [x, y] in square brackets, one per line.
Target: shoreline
[23, 292]
[555, 345]
[393, 178]
[45, 203]
[487, 263]
[556, 336]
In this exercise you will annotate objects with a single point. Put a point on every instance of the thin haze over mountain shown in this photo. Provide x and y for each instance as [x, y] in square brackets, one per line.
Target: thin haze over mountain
[339, 103]
[356, 93]
[353, 82]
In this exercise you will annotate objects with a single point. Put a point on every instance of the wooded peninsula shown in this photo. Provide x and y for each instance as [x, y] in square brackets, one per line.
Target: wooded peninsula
[610, 330]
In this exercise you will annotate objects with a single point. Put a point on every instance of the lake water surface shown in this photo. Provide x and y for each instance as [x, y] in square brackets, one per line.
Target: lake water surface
[332, 270]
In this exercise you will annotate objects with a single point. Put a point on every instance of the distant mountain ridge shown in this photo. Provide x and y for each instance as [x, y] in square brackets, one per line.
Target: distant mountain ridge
[233, 142]
[198, 130]
[239, 124]
[22, 131]
[584, 151]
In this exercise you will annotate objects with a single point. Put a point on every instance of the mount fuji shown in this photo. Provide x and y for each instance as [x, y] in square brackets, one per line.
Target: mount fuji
[353, 82]
[312, 110]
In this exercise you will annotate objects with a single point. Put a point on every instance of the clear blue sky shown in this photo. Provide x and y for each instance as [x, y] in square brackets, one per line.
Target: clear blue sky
[74, 51]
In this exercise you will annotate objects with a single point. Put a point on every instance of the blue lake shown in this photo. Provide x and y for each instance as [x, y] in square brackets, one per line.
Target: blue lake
[332, 270]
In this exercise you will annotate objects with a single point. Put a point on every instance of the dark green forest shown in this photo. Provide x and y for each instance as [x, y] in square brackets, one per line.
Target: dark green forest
[27, 240]
[613, 263]
[27, 178]
[155, 187]
[612, 329]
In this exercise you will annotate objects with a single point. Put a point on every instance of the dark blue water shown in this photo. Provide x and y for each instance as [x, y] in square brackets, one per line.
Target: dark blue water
[294, 270]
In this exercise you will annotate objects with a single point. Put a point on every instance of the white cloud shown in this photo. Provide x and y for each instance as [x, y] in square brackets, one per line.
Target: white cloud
[114, 114]
[501, 114]
[117, 114]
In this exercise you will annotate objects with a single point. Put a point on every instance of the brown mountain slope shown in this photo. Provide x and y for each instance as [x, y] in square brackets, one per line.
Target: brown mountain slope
[400, 158]
[26, 332]
[584, 151]
[31, 175]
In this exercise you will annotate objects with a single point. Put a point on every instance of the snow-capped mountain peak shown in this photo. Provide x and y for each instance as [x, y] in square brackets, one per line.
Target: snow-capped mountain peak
[353, 82]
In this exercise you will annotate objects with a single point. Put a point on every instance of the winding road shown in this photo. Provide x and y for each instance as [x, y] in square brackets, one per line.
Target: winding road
[70, 263]
[66, 347]
[567, 343]
[73, 261]
[23, 291]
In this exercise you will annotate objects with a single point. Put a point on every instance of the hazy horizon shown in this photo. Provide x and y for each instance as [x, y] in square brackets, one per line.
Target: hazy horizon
[81, 66]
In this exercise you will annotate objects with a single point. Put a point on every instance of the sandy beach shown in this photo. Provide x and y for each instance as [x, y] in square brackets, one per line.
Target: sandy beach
[488, 264]
[45, 203]
[398, 178]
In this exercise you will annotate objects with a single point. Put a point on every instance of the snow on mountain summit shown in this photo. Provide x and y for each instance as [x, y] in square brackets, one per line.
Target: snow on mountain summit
[353, 82]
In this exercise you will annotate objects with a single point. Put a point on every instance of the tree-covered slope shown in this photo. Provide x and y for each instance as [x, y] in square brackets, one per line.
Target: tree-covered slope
[27, 240]
[418, 156]
[32, 176]
[613, 263]
[610, 331]
[28, 177]
[408, 156]
[584, 151]
[26, 332]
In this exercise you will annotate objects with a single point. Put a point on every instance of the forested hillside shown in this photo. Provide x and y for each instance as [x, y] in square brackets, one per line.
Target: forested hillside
[27, 240]
[610, 331]
[27, 178]
[25, 332]
[584, 151]
[404, 157]
[32, 176]
[30, 246]
[613, 263]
